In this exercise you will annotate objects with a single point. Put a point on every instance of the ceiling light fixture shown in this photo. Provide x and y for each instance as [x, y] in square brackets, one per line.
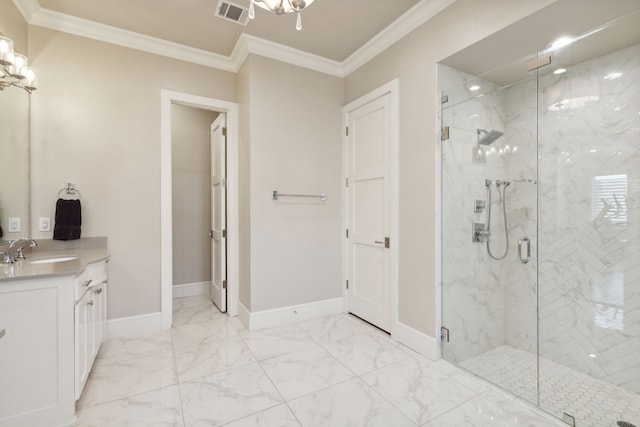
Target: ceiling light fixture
[280, 7]
[14, 68]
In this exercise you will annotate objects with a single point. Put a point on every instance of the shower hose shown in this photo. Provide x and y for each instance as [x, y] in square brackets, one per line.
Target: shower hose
[504, 213]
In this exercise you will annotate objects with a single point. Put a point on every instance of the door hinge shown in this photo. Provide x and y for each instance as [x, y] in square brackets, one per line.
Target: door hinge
[347, 284]
[444, 133]
[347, 233]
[347, 131]
[224, 284]
[444, 334]
[224, 131]
[224, 233]
[444, 99]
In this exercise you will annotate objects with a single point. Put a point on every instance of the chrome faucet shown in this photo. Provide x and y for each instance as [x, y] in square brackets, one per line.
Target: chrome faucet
[15, 249]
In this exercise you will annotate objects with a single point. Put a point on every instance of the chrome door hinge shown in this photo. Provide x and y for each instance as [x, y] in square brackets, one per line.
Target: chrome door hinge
[347, 233]
[224, 233]
[347, 131]
[224, 131]
[444, 99]
[444, 133]
[224, 284]
[347, 284]
[444, 334]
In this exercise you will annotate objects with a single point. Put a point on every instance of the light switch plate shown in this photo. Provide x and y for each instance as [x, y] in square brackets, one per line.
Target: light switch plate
[14, 225]
[44, 223]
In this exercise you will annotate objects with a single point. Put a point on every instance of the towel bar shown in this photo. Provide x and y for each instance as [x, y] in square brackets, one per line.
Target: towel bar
[277, 195]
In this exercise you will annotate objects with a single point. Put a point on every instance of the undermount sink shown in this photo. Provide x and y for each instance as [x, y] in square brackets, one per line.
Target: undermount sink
[53, 259]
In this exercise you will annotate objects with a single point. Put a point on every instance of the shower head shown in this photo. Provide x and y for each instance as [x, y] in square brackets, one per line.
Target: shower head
[488, 137]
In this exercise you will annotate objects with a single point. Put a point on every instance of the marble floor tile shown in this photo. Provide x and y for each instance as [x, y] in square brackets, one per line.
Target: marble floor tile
[125, 348]
[367, 352]
[278, 416]
[194, 314]
[202, 332]
[491, 409]
[217, 399]
[349, 404]
[211, 357]
[238, 325]
[156, 408]
[121, 379]
[336, 327]
[305, 371]
[423, 390]
[199, 300]
[272, 342]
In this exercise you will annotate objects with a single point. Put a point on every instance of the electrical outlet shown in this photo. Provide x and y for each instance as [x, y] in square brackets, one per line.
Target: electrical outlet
[44, 223]
[14, 225]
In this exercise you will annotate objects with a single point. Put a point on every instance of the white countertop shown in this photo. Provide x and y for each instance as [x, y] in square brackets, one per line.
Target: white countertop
[24, 269]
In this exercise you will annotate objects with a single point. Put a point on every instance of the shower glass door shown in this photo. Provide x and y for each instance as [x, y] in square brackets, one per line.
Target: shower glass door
[589, 227]
[489, 215]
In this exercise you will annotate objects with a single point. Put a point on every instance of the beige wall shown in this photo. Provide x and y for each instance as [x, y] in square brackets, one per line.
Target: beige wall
[191, 193]
[96, 122]
[244, 186]
[294, 148]
[413, 60]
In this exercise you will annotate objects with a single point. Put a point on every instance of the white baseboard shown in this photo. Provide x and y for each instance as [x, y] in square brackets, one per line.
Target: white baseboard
[283, 315]
[191, 289]
[125, 326]
[416, 340]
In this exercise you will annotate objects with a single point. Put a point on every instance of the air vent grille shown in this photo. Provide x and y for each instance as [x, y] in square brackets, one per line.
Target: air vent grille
[232, 12]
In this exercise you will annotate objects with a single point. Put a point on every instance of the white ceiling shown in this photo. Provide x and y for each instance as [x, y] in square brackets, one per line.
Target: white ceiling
[337, 35]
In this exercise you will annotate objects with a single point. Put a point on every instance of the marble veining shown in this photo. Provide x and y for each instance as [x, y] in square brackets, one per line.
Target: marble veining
[348, 374]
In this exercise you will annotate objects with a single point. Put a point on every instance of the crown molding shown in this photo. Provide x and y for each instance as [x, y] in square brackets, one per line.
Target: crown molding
[424, 10]
[258, 46]
[406, 23]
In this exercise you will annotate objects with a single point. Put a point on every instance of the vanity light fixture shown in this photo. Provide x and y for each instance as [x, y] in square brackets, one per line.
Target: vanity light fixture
[14, 68]
[280, 7]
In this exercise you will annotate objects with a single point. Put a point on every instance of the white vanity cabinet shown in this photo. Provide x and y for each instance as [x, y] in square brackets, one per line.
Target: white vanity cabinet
[90, 320]
[53, 327]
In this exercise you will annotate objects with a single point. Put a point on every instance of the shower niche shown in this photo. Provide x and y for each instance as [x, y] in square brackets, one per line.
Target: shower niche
[543, 299]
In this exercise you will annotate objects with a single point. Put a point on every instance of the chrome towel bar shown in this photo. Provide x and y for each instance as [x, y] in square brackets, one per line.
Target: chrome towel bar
[277, 195]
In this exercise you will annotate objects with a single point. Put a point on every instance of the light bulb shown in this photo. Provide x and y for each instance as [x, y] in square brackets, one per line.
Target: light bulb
[252, 10]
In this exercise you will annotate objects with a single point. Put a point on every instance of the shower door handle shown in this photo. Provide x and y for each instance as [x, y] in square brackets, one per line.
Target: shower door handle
[524, 240]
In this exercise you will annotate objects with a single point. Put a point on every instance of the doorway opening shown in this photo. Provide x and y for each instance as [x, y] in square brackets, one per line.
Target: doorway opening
[169, 98]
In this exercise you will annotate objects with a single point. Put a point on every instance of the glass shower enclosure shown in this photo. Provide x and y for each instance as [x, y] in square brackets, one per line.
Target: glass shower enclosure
[540, 230]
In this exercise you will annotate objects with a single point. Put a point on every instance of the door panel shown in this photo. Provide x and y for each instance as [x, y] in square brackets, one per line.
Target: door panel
[368, 219]
[218, 213]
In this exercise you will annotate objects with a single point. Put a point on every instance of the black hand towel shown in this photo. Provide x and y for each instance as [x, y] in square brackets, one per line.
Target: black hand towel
[68, 220]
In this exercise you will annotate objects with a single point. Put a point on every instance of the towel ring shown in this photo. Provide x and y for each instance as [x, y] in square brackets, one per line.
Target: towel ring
[70, 189]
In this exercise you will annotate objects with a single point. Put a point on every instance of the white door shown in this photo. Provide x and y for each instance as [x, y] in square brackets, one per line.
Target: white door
[369, 211]
[219, 212]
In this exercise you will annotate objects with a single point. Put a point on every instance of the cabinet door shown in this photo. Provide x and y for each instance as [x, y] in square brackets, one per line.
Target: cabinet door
[36, 356]
[81, 346]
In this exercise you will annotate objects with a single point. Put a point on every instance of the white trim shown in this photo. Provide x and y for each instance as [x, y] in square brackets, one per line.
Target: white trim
[424, 10]
[191, 289]
[393, 89]
[406, 23]
[293, 313]
[167, 98]
[416, 340]
[133, 325]
[244, 314]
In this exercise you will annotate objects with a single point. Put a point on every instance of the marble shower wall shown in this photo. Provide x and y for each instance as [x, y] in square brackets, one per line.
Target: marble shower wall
[474, 292]
[589, 242]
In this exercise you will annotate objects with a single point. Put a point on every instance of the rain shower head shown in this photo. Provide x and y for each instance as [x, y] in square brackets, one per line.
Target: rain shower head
[488, 137]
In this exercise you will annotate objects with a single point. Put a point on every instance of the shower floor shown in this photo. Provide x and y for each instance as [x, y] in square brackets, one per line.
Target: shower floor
[593, 403]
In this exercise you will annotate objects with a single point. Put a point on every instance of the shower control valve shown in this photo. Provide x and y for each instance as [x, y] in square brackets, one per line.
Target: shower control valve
[479, 232]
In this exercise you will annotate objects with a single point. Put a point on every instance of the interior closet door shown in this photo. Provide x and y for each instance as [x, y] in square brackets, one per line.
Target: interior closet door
[218, 232]
[369, 212]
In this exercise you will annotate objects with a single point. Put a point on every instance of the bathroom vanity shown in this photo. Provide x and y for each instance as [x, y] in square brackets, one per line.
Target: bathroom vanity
[53, 309]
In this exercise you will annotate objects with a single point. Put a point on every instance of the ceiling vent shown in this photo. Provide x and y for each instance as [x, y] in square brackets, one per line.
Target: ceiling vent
[232, 12]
